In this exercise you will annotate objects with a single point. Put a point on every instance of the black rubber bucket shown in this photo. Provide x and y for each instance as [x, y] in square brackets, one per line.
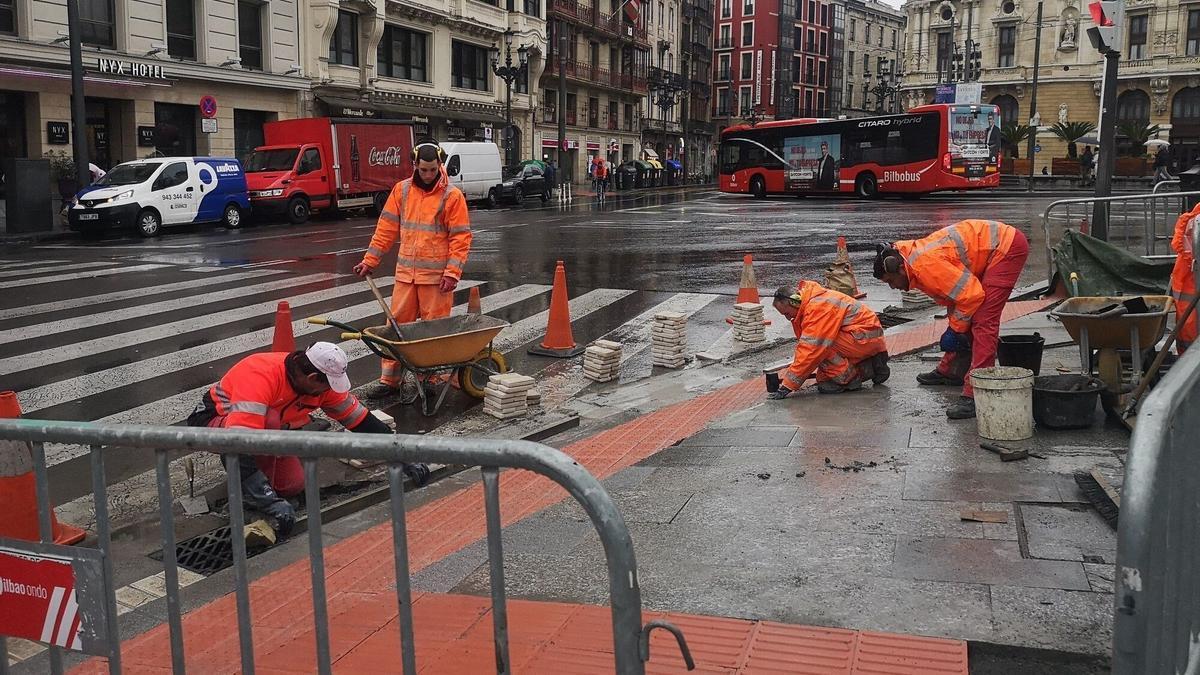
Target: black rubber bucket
[1022, 351]
[1065, 401]
[772, 379]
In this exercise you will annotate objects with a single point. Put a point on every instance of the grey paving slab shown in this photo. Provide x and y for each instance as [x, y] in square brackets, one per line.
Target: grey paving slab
[638, 505]
[983, 561]
[1049, 618]
[629, 477]
[1061, 459]
[1003, 531]
[1068, 532]
[965, 485]
[447, 573]
[684, 455]
[775, 436]
[892, 436]
[537, 576]
[1101, 577]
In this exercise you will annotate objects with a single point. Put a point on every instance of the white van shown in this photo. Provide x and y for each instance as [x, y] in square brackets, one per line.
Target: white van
[474, 168]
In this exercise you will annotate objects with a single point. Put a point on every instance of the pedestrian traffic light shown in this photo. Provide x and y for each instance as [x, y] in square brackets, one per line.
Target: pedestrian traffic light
[1108, 16]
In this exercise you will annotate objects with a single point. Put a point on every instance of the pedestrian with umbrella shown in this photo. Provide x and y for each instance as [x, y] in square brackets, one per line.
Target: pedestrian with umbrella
[1162, 159]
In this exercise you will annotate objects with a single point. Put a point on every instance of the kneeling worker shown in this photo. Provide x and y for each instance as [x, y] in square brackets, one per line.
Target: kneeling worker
[839, 338]
[279, 390]
[970, 267]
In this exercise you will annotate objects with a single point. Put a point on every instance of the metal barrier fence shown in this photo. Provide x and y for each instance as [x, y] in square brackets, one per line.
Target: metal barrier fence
[98, 633]
[1141, 224]
[1156, 628]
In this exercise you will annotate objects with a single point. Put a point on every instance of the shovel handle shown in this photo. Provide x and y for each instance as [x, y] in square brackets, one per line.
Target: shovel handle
[387, 311]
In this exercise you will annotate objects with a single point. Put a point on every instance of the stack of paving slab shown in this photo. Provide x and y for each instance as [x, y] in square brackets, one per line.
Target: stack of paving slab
[668, 340]
[748, 322]
[506, 396]
[602, 361]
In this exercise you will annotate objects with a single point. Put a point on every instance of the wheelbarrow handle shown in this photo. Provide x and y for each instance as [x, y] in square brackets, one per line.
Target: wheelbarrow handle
[352, 336]
[318, 320]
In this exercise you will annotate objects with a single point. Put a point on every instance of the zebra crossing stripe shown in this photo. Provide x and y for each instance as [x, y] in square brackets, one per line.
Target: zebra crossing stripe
[79, 275]
[14, 264]
[8, 272]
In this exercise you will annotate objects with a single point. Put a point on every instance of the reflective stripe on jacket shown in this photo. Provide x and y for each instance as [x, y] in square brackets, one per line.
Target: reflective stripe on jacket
[950, 263]
[433, 228]
[822, 316]
[257, 389]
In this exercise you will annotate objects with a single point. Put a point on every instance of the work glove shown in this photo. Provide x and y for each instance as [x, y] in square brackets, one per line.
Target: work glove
[417, 473]
[257, 494]
[282, 517]
[953, 341]
[779, 394]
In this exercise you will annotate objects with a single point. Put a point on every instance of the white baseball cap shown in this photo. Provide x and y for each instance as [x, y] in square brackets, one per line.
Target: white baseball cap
[331, 360]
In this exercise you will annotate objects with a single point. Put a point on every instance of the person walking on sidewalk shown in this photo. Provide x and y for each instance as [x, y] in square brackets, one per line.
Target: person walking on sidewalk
[429, 218]
[600, 176]
[1162, 164]
[971, 268]
[838, 338]
[552, 177]
[1183, 275]
[277, 390]
[1087, 162]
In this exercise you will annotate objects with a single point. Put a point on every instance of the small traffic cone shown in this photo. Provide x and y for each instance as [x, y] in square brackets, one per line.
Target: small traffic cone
[748, 288]
[473, 304]
[558, 341]
[18, 489]
[283, 340]
[842, 261]
[1084, 226]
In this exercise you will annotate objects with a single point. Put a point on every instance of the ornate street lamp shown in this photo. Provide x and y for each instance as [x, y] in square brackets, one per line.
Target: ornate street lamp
[510, 73]
[887, 87]
[757, 113]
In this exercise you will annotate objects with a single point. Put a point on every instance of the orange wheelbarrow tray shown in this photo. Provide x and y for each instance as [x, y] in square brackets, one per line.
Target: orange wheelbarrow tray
[456, 344]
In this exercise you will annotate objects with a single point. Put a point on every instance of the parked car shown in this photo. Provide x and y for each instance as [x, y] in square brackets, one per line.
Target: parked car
[150, 194]
[524, 180]
[474, 168]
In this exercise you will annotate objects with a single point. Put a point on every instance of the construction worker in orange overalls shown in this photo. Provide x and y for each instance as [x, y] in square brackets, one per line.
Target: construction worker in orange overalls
[429, 218]
[279, 390]
[971, 268]
[839, 339]
[1183, 275]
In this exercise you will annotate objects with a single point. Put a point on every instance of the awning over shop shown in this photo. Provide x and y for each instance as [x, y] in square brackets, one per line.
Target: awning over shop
[593, 146]
[358, 109]
[553, 143]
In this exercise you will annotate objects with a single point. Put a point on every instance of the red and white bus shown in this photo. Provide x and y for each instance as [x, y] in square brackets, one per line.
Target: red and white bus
[928, 149]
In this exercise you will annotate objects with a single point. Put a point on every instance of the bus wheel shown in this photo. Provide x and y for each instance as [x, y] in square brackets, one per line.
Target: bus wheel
[758, 188]
[866, 186]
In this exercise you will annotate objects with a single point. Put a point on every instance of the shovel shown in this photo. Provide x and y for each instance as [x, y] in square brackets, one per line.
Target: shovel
[1134, 398]
[193, 505]
[386, 310]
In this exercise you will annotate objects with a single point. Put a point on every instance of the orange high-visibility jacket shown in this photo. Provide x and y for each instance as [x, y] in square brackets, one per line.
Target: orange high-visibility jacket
[257, 388]
[823, 315]
[433, 228]
[949, 264]
[1183, 278]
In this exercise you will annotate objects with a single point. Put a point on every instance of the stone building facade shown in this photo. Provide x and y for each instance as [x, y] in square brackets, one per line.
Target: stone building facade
[873, 55]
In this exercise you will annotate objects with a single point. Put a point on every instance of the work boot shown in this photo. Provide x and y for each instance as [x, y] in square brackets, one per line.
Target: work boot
[831, 387]
[963, 410]
[880, 371]
[377, 390]
[935, 379]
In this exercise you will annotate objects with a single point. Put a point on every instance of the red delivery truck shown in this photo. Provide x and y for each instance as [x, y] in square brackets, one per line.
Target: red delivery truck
[321, 163]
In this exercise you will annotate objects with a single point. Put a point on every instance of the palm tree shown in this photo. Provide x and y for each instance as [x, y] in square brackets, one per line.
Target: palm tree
[1136, 133]
[1014, 134]
[1071, 132]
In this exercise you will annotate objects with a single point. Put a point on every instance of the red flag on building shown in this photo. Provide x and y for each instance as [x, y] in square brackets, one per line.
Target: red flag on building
[633, 10]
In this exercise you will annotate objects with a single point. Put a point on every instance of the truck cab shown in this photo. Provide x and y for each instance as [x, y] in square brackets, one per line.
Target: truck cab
[289, 180]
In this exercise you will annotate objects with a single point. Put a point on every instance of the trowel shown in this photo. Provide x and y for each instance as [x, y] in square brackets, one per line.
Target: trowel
[192, 505]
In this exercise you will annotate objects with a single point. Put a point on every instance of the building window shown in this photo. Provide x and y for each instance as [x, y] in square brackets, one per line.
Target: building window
[402, 54]
[8, 17]
[1193, 33]
[796, 70]
[726, 9]
[809, 74]
[850, 63]
[824, 46]
[825, 15]
[1009, 109]
[853, 28]
[812, 11]
[1006, 47]
[747, 66]
[881, 36]
[1133, 106]
[746, 102]
[810, 44]
[894, 43]
[748, 34]
[944, 52]
[1137, 36]
[748, 8]
[250, 35]
[175, 129]
[613, 121]
[96, 23]
[343, 47]
[469, 66]
[593, 112]
[866, 65]
[723, 102]
[248, 131]
[726, 40]
[181, 29]
[723, 61]
[629, 117]
[521, 84]
[533, 8]
[821, 74]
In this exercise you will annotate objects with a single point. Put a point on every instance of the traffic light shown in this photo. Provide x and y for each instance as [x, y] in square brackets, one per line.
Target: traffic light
[1109, 18]
[976, 65]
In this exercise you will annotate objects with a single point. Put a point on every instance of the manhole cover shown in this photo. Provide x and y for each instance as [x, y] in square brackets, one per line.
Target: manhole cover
[889, 320]
[208, 553]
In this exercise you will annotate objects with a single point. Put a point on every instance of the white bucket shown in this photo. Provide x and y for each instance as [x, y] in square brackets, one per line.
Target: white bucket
[1004, 402]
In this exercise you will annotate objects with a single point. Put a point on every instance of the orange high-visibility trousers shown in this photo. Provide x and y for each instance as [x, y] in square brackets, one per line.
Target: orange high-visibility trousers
[842, 366]
[1183, 289]
[409, 303]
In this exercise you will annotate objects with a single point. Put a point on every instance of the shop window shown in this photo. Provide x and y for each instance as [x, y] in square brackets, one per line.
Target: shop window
[181, 29]
[469, 66]
[402, 54]
[8, 17]
[1137, 36]
[343, 46]
[250, 34]
[175, 129]
[96, 23]
[248, 130]
[12, 120]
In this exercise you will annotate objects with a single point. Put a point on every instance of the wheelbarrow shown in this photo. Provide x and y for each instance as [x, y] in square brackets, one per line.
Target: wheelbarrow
[1111, 331]
[458, 346]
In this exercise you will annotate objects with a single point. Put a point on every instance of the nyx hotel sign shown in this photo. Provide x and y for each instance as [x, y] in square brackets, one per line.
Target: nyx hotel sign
[150, 71]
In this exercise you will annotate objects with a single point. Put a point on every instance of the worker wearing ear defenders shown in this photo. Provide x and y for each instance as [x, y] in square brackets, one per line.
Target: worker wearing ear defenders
[971, 268]
[428, 217]
[839, 340]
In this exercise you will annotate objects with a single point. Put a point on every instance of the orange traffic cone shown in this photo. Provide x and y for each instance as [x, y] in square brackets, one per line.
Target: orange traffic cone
[473, 305]
[558, 341]
[18, 489]
[843, 261]
[284, 340]
[1084, 226]
[748, 288]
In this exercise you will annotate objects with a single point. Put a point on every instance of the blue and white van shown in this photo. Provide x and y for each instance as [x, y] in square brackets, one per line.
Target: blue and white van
[149, 194]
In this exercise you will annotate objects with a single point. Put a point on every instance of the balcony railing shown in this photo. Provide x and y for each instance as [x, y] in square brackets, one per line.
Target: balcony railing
[590, 16]
[549, 115]
[726, 43]
[596, 75]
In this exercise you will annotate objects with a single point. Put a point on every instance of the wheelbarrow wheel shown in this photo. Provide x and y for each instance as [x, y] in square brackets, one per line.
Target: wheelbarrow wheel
[409, 387]
[474, 376]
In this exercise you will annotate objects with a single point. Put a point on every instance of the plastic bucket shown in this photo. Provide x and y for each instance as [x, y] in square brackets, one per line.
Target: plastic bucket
[1021, 351]
[1066, 401]
[772, 381]
[1004, 402]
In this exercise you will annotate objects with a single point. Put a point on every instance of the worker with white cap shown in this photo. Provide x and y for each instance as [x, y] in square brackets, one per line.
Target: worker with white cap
[278, 390]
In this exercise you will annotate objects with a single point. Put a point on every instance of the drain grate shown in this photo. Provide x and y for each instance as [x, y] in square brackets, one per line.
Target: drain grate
[207, 553]
[889, 320]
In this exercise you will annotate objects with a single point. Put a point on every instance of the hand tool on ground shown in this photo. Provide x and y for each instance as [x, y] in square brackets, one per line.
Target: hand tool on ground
[1136, 396]
[192, 505]
[387, 311]
[1101, 494]
[977, 516]
[1007, 454]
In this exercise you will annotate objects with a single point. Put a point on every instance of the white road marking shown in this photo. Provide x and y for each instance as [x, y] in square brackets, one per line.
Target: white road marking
[79, 275]
[56, 268]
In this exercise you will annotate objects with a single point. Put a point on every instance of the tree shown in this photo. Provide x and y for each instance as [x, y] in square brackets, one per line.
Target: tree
[1014, 134]
[1135, 133]
[1071, 132]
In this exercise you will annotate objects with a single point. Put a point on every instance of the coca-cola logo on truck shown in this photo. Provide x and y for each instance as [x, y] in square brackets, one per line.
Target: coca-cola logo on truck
[389, 156]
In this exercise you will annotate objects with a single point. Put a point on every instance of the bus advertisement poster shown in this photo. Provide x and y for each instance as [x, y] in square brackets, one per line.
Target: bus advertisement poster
[813, 161]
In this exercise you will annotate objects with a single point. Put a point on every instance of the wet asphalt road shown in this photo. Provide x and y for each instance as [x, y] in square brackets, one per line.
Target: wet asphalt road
[123, 329]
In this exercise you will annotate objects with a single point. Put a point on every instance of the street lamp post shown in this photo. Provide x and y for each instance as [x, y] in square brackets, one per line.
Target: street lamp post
[757, 114]
[887, 87]
[509, 73]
